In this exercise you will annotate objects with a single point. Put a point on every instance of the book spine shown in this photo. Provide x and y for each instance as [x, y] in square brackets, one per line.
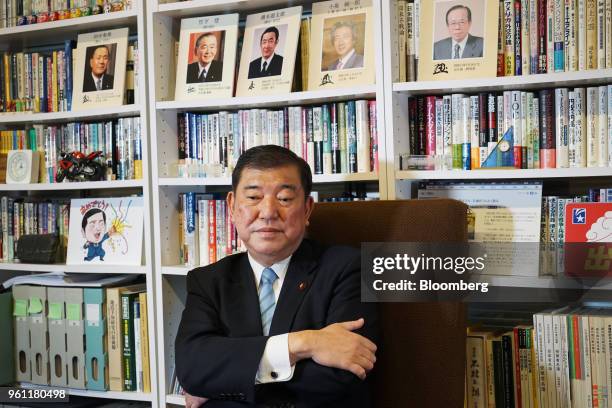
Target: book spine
[601, 34]
[602, 127]
[326, 126]
[592, 110]
[561, 128]
[335, 144]
[465, 142]
[374, 164]
[447, 123]
[474, 133]
[501, 40]
[129, 358]
[582, 34]
[362, 136]
[509, 31]
[591, 34]
[550, 38]
[558, 35]
[580, 146]
[515, 114]
[542, 37]
[518, 64]
[456, 129]
[547, 130]
[430, 125]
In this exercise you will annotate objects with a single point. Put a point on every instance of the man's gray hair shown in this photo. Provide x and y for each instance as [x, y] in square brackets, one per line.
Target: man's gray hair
[348, 24]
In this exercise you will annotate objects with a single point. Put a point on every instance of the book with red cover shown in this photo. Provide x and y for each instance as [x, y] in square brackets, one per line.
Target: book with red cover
[588, 240]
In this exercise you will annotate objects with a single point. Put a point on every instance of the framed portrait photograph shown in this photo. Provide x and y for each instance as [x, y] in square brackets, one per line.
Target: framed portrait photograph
[207, 57]
[463, 42]
[341, 45]
[105, 231]
[268, 52]
[99, 77]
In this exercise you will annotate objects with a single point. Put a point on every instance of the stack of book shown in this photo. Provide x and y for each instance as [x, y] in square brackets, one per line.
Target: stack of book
[19, 217]
[333, 138]
[551, 128]
[23, 12]
[206, 233]
[562, 360]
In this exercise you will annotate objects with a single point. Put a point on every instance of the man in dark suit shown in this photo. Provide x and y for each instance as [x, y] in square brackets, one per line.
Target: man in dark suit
[270, 63]
[283, 324]
[461, 44]
[97, 79]
[343, 37]
[206, 68]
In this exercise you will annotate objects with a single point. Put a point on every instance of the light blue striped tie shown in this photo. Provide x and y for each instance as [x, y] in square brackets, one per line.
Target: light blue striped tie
[266, 299]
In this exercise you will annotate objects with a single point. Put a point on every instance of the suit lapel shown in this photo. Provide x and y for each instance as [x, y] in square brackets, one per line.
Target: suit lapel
[297, 283]
[244, 306]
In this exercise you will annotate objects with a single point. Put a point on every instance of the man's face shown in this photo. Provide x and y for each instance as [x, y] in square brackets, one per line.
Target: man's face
[99, 61]
[268, 44]
[95, 228]
[207, 49]
[269, 212]
[343, 41]
[458, 24]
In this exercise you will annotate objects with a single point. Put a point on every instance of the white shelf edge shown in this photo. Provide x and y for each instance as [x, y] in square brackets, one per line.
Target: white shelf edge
[195, 7]
[227, 181]
[78, 23]
[96, 268]
[305, 97]
[175, 399]
[177, 270]
[71, 116]
[86, 185]
[502, 174]
[119, 395]
[510, 82]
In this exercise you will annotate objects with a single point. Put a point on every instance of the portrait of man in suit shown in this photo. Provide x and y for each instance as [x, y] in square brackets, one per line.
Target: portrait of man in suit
[96, 76]
[270, 63]
[460, 44]
[281, 324]
[344, 38]
[205, 68]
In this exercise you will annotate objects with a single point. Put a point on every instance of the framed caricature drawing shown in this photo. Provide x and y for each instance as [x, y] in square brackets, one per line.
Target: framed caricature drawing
[105, 231]
[268, 52]
[207, 57]
[99, 77]
[463, 41]
[341, 45]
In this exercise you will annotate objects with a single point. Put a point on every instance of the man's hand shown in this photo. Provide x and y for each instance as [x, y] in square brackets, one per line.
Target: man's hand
[335, 346]
[192, 401]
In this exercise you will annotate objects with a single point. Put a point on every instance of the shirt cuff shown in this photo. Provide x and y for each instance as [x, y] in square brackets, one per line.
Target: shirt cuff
[274, 365]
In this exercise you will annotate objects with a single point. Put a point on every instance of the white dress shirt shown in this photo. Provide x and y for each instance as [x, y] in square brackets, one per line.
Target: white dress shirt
[95, 78]
[203, 68]
[461, 47]
[267, 61]
[275, 358]
[342, 62]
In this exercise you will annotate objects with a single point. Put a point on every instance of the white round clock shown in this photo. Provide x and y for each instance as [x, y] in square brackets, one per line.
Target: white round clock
[19, 166]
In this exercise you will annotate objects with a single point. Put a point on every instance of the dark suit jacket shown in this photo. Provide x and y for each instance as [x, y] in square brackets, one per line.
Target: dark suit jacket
[275, 68]
[89, 85]
[473, 48]
[219, 343]
[214, 74]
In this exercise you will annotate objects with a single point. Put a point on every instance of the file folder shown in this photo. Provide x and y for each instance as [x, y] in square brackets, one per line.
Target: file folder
[39, 339]
[96, 357]
[75, 337]
[56, 320]
[22, 333]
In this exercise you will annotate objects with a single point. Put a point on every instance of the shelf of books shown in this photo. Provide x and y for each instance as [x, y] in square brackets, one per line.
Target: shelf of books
[508, 109]
[274, 84]
[75, 199]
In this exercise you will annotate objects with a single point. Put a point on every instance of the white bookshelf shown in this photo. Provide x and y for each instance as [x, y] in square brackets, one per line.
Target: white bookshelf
[56, 32]
[503, 174]
[70, 116]
[124, 395]
[272, 101]
[61, 29]
[111, 269]
[396, 115]
[86, 185]
[163, 25]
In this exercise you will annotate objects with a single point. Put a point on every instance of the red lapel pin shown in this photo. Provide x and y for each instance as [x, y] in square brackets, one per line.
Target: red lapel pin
[302, 286]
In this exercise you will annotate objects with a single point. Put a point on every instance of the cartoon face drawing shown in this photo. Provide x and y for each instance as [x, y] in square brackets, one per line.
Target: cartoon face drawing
[94, 231]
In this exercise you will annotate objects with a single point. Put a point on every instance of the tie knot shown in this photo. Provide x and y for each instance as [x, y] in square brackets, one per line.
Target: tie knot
[268, 276]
